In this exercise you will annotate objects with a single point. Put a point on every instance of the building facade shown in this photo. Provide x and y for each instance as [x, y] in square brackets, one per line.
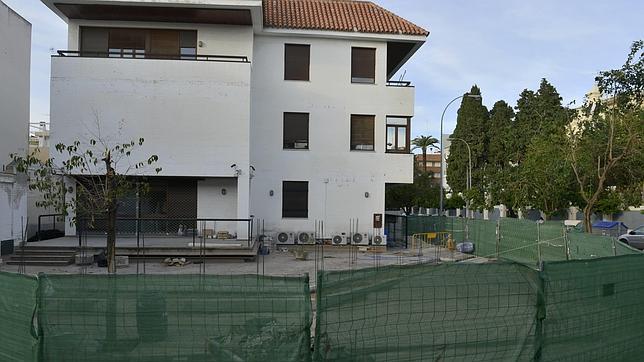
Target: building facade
[15, 60]
[430, 164]
[282, 111]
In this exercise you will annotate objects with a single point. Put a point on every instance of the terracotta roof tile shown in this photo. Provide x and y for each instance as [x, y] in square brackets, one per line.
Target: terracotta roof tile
[336, 15]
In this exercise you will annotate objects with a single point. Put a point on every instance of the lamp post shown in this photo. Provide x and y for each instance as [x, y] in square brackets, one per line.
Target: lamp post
[475, 96]
[469, 173]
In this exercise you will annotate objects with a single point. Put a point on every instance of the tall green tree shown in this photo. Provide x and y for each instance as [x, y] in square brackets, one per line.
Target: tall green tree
[605, 145]
[499, 168]
[423, 143]
[472, 127]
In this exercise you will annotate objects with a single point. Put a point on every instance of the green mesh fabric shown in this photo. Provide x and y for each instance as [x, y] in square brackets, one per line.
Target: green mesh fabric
[588, 246]
[17, 306]
[593, 310]
[482, 312]
[174, 318]
[484, 235]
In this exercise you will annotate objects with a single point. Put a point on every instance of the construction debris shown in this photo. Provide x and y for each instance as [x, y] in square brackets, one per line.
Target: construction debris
[176, 262]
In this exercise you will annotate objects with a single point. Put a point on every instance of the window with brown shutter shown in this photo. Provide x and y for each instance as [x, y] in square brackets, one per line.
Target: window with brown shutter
[138, 43]
[363, 65]
[297, 59]
[362, 133]
[296, 131]
[295, 199]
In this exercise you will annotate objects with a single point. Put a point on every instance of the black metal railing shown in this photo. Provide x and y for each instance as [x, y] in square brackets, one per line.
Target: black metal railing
[129, 55]
[195, 229]
[398, 83]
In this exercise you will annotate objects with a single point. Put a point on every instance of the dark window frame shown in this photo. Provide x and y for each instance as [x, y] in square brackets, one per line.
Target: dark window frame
[293, 144]
[407, 126]
[183, 51]
[361, 73]
[297, 211]
[291, 72]
[354, 145]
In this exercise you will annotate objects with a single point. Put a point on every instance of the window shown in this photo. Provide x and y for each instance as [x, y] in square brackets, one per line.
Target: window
[398, 135]
[363, 65]
[362, 130]
[295, 199]
[296, 61]
[139, 43]
[296, 131]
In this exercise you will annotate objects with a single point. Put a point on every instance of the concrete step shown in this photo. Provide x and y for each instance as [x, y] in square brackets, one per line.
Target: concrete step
[39, 262]
[31, 246]
[44, 252]
[43, 257]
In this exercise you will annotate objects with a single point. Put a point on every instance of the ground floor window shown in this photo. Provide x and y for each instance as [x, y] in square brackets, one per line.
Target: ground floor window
[295, 199]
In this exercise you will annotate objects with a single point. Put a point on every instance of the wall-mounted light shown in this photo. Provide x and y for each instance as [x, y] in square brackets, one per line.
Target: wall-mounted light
[271, 193]
[224, 191]
[366, 195]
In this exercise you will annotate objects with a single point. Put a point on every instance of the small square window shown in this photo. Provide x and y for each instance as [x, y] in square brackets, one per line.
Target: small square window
[297, 58]
[363, 65]
[362, 133]
[398, 135]
[296, 131]
[295, 199]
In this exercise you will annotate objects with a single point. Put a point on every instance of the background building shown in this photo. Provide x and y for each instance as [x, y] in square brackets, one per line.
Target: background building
[15, 60]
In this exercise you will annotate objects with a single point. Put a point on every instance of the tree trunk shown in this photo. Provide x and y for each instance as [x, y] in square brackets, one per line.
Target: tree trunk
[588, 227]
[425, 159]
[111, 240]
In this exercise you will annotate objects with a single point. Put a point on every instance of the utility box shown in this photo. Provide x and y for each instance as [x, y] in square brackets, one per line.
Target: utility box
[377, 221]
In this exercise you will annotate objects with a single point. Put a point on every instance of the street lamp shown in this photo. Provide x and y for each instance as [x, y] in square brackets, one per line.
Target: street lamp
[475, 96]
[469, 173]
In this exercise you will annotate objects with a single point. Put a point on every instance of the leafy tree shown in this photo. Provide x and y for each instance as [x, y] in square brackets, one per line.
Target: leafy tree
[605, 148]
[100, 173]
[424, 142]
[472, 127]
[424, 192]
[545, 180]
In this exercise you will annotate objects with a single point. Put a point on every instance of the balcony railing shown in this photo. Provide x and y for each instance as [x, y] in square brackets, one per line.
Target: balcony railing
[130, 55]
[398, 83]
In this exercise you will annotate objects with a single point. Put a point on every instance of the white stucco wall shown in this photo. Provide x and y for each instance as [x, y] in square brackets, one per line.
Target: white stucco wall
[194, 115]
[338, 178]
[213, 204]
[15, 60]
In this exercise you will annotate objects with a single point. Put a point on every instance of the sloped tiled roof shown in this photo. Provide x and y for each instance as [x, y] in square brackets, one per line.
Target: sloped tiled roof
[336, 15]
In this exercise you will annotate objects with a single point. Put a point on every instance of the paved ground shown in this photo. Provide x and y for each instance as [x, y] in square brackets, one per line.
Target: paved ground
[280, 262]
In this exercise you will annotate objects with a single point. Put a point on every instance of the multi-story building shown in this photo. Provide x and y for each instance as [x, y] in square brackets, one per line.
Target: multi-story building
[15, 60]
[430, 164]
[280, 110]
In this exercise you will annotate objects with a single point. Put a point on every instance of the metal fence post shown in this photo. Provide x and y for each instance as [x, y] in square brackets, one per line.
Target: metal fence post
[498, 237]
[566, 246]
[539, 242]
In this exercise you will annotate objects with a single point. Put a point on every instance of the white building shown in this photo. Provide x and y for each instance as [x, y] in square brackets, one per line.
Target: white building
[277, 110]
[15, 60]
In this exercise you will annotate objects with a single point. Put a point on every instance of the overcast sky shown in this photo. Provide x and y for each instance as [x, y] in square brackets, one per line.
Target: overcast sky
[503, 46]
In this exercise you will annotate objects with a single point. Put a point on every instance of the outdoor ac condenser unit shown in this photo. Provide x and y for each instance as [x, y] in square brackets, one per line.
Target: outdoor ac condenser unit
[378, 240]
[340, 239]
[305, 238]
[360, 239]
[285, 238]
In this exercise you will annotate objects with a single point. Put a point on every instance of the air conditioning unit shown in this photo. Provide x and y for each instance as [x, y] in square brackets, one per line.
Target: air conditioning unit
[285, 238]
[378, 240]
[360, 239]
[340, 239]
[305, 238]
